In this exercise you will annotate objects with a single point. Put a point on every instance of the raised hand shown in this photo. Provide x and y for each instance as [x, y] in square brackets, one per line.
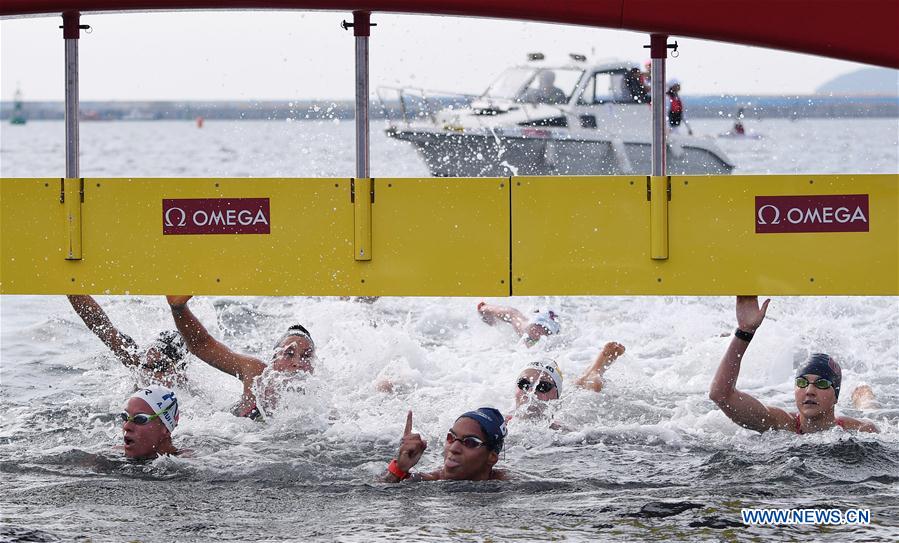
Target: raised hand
[749, 314]
[411, 447]
[611, 351]
[177, 301]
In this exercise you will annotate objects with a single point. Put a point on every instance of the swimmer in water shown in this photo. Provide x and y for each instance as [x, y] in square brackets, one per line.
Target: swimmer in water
[293, 354]
[471, 451]
[162, 362]
[816, 392]
[149, 418]
[540, 325]
[541, 382]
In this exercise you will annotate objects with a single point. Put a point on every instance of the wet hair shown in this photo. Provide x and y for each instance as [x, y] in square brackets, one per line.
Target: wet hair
[824, 367]
[300, 331]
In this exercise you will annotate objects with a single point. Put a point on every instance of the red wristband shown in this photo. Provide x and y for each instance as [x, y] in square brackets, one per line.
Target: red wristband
[395, 470]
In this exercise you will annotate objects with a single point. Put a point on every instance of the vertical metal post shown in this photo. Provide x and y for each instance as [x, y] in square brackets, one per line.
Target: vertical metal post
[70, 33]
[659, 51]
[362, 30]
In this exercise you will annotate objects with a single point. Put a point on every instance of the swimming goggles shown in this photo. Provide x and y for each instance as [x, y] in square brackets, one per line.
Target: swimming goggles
[469, 442]
[542, 386]
[823, 384]
[141, 418]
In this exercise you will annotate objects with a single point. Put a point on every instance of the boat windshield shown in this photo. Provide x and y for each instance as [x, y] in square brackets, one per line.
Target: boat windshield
[533, 85]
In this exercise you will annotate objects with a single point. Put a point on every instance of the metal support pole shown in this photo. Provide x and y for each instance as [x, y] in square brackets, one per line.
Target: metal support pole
[70, 33]
[362, 30]
[659, 51]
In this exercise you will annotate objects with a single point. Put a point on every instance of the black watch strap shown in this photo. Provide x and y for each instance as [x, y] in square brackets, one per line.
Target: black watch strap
[744, 335]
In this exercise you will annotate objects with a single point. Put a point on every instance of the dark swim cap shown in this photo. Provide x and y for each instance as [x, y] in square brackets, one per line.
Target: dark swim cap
[297, 330]
[492, 423]
[824, 367]
[171, 344]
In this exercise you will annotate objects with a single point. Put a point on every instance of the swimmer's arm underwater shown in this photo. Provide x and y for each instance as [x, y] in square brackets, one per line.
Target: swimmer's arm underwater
[205, 347]
[740, 407]
[122, 346]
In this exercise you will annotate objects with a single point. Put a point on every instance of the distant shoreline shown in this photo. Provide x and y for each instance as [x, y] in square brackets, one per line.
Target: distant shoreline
[755, 107]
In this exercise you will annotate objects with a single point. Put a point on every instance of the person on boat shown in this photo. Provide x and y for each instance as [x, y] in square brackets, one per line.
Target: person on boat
[541, 381]
[634, 86]
[294, 354]
[162, 362]
[150, 416]
[739, 129]
[816, 392]
[546, 92]
[541, 324]
[676, 108]
[470, 452]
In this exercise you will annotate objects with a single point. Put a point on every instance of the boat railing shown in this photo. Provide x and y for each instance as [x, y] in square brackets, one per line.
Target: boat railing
[410, 104]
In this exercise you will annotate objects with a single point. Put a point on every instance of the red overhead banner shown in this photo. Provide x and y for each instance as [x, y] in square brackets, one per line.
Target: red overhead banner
[859, 30]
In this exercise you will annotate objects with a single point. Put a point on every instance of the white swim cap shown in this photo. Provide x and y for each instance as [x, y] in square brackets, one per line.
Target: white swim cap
[547, 321]
[549, 367]
[162, 402]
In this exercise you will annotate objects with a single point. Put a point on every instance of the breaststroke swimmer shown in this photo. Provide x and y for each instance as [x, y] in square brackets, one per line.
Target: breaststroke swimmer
[162, 362]
[294, 354]
[541, 381]
[541, 324]
[150, 416]
[816, 392]
[471, 451]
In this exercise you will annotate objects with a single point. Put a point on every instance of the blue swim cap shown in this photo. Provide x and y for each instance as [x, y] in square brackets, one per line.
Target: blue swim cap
[492, 423]
[824, 367]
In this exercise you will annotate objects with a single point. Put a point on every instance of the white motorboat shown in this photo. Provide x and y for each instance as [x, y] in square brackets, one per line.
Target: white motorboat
[539, 118]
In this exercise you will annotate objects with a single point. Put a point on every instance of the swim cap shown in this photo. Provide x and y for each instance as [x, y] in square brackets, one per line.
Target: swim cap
[492, 423]
[171, 344]
[548, 321]
[160, 398]
[673, 81]
[300, 331]
[824, 367]
[548, 367]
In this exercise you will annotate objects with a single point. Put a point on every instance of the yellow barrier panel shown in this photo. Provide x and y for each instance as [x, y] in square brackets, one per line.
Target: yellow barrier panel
[727, 235]
[256, 236]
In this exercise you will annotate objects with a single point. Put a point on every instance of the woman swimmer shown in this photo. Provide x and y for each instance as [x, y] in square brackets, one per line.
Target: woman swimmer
[149, 418]
[162, 362]
[816, 392]
[293, 354]
[472, 450]
[540, 325]
[541, 381]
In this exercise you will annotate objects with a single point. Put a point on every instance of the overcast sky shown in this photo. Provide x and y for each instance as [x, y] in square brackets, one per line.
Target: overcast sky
[306, 55]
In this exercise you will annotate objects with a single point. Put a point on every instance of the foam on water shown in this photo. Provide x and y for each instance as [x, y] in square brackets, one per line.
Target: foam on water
[650, 439]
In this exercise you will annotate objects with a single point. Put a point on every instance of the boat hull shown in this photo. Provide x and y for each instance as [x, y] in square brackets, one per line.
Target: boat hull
[450, 154]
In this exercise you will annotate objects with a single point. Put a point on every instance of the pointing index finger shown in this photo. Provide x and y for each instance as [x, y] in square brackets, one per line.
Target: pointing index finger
[408, 429]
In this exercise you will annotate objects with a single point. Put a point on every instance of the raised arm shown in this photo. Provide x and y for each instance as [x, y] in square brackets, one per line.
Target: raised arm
[122, 346]
[740, 407]
[490, 313]
[412, 446]
[593, 377]
[207, 348]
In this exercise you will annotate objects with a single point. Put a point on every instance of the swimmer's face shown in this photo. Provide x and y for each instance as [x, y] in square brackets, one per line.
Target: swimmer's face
[533, 398]
[462, 463]
[294, 354]
[812, 401]
[143, 441]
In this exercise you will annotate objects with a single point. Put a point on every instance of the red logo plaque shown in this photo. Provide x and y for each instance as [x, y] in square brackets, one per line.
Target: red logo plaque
[216, 216]
[822, 213]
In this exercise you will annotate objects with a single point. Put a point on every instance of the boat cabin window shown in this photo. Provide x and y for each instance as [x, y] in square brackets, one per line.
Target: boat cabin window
[551, 86]
[619, 87]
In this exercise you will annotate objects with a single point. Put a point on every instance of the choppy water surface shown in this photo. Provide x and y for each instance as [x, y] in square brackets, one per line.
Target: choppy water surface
[650, 458]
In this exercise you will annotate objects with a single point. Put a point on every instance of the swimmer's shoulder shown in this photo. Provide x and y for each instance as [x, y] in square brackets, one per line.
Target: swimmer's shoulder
[859, 425]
